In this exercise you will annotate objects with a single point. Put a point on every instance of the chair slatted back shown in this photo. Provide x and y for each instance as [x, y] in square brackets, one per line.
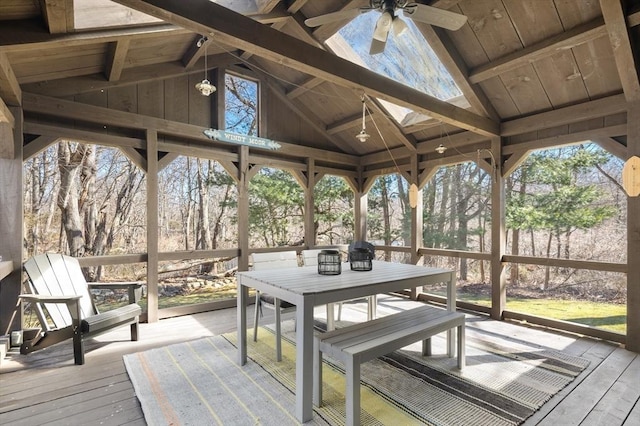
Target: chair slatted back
[273, 260]
[57, 275]
[310, 257]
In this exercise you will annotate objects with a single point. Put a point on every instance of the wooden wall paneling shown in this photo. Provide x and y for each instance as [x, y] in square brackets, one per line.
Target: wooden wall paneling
[100, 99]
[150, 51]
[151, 99]
[176, 99]
[199, 106]
[123, 99]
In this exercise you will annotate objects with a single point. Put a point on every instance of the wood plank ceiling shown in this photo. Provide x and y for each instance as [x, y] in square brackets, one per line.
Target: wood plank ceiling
[537, 73]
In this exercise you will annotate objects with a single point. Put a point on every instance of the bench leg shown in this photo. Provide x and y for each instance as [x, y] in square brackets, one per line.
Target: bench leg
[352, 393]
[461, 345]
[134, 332]
[278, 331]
[317, 374]
[426, 347]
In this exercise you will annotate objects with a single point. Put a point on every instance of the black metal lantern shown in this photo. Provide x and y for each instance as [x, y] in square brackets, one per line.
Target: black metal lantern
[360, 259]
[329, 262]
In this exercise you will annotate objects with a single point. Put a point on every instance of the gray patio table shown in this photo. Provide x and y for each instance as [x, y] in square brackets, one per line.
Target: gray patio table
[305, 288]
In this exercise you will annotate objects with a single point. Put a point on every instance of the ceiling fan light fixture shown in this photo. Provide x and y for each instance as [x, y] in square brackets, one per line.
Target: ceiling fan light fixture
[205, 87]
[440, 149]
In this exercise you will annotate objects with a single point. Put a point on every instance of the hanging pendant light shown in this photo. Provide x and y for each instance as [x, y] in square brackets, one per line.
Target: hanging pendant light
[363, 136]
[205, 87]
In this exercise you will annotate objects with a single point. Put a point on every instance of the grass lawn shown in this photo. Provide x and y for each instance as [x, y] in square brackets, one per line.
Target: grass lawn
[608, 316]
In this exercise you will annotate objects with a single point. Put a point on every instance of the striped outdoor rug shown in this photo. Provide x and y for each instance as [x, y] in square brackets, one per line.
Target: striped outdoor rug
[200, 383]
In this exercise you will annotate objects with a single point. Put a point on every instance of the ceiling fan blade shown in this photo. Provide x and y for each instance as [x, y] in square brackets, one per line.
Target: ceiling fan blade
[377, 46]
[434, 16]
[383, 25]
[328, 18]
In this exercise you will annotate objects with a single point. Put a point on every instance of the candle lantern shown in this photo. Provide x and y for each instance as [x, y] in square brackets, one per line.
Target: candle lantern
[361, 259]
[329, 262]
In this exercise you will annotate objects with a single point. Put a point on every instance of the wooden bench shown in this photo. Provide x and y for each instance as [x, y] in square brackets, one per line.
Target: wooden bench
[365, 341]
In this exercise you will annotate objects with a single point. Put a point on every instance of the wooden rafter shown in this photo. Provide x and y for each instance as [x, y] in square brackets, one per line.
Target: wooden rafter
[10, 90]
[56, 13]
[622, 52]
[147, 73]
[236, 30]
[548, 47]
[115, 59]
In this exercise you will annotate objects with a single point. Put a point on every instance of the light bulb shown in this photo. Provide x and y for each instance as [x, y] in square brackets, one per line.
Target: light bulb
[205, 87]
[362, 136]
[440, 149]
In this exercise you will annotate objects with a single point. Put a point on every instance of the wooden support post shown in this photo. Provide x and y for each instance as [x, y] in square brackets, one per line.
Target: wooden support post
[416, 219]
[309, 205]
[633, 237]
[11, 233]
[243, 208]
[498, 234]
[152, 225]
[360, 205]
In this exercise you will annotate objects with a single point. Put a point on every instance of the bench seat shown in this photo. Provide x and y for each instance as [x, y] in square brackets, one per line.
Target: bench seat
[365, 341]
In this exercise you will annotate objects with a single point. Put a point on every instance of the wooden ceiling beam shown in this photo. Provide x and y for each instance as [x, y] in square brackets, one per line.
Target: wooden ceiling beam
[10, 90]
[296, 5]
[396, 130]
[55, 13]
[144, 74]
[55, 107]
[203, 16]
[194, 52]
[548, 47]
[347, 123]
[304, 87]
[23, 37]
[5, 114]
[115, 59]
[616, 24]
[266, 6]
[613, 146]
[571, 114]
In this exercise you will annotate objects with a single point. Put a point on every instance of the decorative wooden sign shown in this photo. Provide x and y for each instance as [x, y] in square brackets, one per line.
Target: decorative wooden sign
[253, 141]
[631, 176]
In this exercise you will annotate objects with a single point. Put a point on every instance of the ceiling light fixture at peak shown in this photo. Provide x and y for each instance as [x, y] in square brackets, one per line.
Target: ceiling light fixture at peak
[440, 149]
[205, 87]
[363, 136]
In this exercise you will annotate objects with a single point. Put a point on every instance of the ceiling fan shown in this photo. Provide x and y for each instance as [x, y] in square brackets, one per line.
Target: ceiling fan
[389, 19]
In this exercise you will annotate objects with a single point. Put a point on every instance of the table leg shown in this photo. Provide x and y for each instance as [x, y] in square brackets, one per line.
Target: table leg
[331, 323]
[451, 305]
[304, 362]
[241, 324]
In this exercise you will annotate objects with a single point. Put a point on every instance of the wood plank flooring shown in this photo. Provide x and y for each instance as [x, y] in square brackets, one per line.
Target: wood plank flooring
[45, 387]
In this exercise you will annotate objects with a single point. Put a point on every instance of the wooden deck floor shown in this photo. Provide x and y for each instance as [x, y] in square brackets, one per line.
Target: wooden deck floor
[47, 388]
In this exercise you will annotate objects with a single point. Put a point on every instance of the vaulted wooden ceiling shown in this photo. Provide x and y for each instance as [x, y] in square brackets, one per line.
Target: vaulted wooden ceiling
[536, 73]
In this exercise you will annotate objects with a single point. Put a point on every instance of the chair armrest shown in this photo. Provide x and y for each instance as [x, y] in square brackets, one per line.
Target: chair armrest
[50, 299]
[134, 288]
[117, 285]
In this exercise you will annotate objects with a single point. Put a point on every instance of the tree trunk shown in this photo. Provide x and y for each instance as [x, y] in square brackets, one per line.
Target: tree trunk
[69, 162]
